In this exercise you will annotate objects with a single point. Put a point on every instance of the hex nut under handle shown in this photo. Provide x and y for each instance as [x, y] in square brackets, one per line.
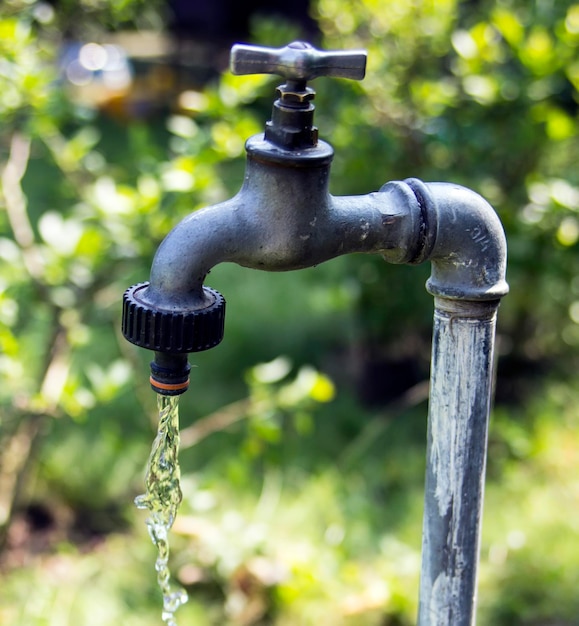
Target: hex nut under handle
[298, 61]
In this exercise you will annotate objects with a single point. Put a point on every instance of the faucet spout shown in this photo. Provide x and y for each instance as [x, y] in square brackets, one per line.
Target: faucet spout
[282, 219]
[202, 240]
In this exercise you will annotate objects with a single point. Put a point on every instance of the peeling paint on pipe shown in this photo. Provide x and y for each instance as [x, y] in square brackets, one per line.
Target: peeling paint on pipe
[461, 382]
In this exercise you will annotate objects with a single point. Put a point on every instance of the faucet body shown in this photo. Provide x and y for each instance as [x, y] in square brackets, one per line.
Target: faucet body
[284, 218]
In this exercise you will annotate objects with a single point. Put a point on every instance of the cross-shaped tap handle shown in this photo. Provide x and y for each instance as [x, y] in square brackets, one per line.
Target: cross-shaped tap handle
[298, 61]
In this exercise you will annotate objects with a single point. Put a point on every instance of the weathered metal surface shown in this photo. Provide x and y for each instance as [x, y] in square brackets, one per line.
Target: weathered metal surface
[465, 242]
[461, 380]
[298, 61]
[284, 218]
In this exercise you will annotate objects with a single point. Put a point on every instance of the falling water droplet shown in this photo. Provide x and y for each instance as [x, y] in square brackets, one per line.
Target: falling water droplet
[162, 499]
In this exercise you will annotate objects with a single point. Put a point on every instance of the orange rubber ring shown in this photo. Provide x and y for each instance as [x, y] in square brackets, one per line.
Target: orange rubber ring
[169, 386]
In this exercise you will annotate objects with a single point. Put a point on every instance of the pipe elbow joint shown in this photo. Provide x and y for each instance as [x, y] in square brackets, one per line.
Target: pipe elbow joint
[466, 243]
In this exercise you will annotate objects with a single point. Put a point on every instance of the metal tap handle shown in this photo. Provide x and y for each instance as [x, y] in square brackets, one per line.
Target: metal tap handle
[298, 61]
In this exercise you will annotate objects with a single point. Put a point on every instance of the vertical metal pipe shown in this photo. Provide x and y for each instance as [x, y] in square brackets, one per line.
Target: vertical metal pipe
[461, 382]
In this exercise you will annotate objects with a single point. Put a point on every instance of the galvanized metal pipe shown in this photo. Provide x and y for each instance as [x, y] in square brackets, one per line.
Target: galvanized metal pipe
[461, 382]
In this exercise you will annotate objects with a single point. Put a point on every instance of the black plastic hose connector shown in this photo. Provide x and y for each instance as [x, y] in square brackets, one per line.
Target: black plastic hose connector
[171, 335]
[170, 374]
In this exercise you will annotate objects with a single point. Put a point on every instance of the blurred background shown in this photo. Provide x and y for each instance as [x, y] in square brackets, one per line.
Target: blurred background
[303, 433]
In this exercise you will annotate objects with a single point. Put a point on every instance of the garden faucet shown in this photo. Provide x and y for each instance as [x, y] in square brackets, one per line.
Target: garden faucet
[284, 218]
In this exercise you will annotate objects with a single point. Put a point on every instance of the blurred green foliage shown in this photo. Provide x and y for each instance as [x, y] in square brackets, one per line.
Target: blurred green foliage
[301, 506]
[484, 95]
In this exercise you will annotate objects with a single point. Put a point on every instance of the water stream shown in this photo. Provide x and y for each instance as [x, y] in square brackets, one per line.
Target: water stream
[162, 499]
